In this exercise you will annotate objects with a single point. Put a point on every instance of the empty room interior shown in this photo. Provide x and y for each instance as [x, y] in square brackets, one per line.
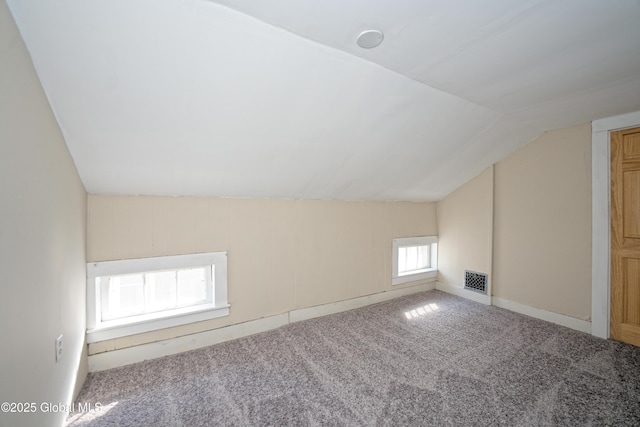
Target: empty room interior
[319, 212]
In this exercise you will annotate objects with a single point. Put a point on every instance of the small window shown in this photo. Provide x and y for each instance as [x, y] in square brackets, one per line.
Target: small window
[414, 258]
[132, 295]
[139, 295]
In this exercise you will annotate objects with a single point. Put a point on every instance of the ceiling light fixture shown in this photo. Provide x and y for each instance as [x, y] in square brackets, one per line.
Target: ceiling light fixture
[370, 38]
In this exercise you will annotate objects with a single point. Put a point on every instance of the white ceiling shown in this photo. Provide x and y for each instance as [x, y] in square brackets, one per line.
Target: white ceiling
[260, 98]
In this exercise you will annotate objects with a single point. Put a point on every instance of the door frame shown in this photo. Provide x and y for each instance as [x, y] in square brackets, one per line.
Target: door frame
[601, 217]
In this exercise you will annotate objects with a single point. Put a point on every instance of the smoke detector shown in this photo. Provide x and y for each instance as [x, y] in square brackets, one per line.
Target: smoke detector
[370, 39]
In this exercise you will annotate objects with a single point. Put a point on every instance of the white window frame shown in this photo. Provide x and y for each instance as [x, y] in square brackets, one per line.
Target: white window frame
[98, 330]
[428, 273]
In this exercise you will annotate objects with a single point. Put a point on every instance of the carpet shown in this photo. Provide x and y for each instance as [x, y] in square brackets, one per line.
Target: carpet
[425, 359]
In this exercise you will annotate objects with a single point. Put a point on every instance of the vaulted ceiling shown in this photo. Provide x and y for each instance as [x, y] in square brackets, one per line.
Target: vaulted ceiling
[274, 98]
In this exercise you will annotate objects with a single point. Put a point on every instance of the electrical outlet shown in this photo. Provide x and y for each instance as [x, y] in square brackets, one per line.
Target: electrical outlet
[58, 348]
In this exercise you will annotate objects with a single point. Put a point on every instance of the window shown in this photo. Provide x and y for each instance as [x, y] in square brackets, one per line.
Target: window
[414, 258]
[139, 295]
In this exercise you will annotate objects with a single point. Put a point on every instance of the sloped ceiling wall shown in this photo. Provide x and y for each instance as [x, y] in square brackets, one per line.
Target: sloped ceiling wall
[275, 99]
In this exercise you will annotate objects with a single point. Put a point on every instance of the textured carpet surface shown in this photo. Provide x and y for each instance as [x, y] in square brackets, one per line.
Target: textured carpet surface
[424, 359]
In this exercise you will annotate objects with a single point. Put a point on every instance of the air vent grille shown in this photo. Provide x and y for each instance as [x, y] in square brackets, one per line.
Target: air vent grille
[475, 281]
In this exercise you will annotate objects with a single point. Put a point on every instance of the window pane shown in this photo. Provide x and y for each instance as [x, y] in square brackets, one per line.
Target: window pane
[126, 295]
[192, 286]
[161, 290]
[412, 258]
[402, 259]
[423, 257]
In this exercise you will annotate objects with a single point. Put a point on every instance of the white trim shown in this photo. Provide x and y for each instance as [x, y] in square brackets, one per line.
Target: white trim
[98, 330]
[549, 316]
[154, 350]
[136, 265]
[623, 121]
[107, 333]
[464, 293]
[429, 273]
[350, 304]
[601, 220]
[415, 241]
[129, 355]
[600, 239]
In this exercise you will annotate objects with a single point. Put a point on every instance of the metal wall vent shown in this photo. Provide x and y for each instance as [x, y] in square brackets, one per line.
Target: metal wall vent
[475, 281]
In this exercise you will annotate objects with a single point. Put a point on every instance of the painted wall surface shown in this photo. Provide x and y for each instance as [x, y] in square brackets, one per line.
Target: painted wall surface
[42, 245]
[542, 224]
[465, 223]
[282, 254]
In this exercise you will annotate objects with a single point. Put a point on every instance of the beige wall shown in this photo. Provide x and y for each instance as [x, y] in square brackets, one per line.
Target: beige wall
[42, 244]
[542, 234]
[465, 224]
[283, 254]
[528, 223]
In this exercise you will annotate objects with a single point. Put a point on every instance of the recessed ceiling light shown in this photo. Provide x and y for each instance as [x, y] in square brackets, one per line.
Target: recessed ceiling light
[370, 38]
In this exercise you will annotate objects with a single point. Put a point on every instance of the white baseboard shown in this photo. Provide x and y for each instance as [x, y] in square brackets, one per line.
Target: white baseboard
[464, 293]
[549, 316]
[154, 350]
[350, 304]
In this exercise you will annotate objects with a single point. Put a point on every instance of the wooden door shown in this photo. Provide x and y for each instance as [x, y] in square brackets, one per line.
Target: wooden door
[625, 236]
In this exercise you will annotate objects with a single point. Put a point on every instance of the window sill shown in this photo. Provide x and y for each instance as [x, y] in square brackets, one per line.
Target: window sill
[118, 329]
[428, 274]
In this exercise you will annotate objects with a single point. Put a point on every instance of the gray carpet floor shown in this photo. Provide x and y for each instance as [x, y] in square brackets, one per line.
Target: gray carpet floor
[424, 359]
